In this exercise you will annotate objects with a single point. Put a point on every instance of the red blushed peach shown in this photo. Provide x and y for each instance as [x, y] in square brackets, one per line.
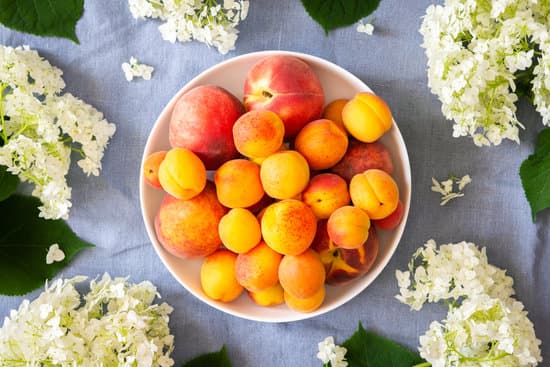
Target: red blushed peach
[392, 220]
[202, 121]
[343, 265]
[151, 168]
[325, 193]
[189, 228]
[363, 156]
[287, 86]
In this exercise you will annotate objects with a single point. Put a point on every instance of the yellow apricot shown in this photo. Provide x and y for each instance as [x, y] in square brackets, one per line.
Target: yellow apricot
[308, 304]
[284, 174]
[270, 297]
[367, 117]
[238, 183]
[239, 230]
[375, 192]
[218, 276]
[182, 174]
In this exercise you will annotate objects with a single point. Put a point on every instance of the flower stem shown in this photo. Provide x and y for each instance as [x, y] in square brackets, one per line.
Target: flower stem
[4, 134]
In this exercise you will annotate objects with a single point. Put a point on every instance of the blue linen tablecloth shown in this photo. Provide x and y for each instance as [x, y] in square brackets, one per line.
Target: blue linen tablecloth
[106, 209]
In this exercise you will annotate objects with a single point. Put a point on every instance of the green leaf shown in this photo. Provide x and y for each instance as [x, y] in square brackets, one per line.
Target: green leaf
[8, 183]
[366, 349]
[215, 359]
[42, 17]
[331, 14]
[24, 243]
[535, 175]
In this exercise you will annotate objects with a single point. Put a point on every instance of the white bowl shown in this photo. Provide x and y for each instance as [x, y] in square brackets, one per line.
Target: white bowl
[230, 74]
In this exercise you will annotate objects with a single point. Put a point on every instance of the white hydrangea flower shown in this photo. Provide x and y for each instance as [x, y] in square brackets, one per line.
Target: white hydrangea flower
[366, 28]
[445, 188]
[115, 324]
[332, 353]
[135, 69]
[477, 51]
[485, 332]
[201, 20]
[43, 126]
[451, 273]
[55, 254]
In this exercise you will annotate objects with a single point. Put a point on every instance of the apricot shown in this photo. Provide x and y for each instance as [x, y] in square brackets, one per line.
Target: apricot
[325, 193]
[361, 157]
[258, 133]
[257, 269]
[218, 276]
[260, 160]
[374, 191]
[182, 174]
[151, 168]
[288, 226]
[367, 117]
[238, 183]
[322, 143]
[270, 297]
[284, 174]
[189, 228]
[348, 227]
[392, 220]
[239, 230]
[302, 275]
[308, 304]
[333, 111]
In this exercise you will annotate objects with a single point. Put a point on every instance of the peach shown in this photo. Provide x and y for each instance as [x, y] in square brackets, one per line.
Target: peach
[375, 192]
[258, 133]
[348, 227]
[202, 121]
[270, 297]
[308, 304]
[284, 174]
[238, 183]
[189, 228]
[333, 111]
[239, 230]
[363, 156]
[151, 168]
[367, 117]
[218, 276]
[257, 269]
[182, 174]
[287, 86]
[392, 220]
[302, 275]
[322, 143]
[343, 265]
[288, 226]
[325, 193]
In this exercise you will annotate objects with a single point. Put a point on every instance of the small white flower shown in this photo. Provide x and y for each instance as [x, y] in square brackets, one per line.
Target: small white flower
[366, 28]
[135, 69]
[446, 188]
[55, 254]
[332, 353]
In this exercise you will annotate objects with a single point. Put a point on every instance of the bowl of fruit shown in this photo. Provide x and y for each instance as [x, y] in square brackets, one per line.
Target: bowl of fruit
[275, 186]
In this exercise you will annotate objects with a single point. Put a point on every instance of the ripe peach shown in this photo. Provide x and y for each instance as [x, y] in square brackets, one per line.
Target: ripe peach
[302, 275]
[258, 133]
[270, 297]
[348, 227]
[288, 226]
[367, 117]
[343, 265]
[238, 183]
[189, 228]
[239, 230]
[392, 220]
[363, 156]
[322, 143]
[333, 111]
[257, 269]
[284, 174]
[308, 304]
[202, 121]
[182, 174]
[374, 191]
[325, 193]
[151, 168]
[218, 276]
[287, 86]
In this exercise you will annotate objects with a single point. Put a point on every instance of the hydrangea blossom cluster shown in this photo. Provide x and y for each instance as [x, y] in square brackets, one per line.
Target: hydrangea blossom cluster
[39, 127]
[332, 353]
[205, 21]
[115, 324]
[481, 56]
[485, 325]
